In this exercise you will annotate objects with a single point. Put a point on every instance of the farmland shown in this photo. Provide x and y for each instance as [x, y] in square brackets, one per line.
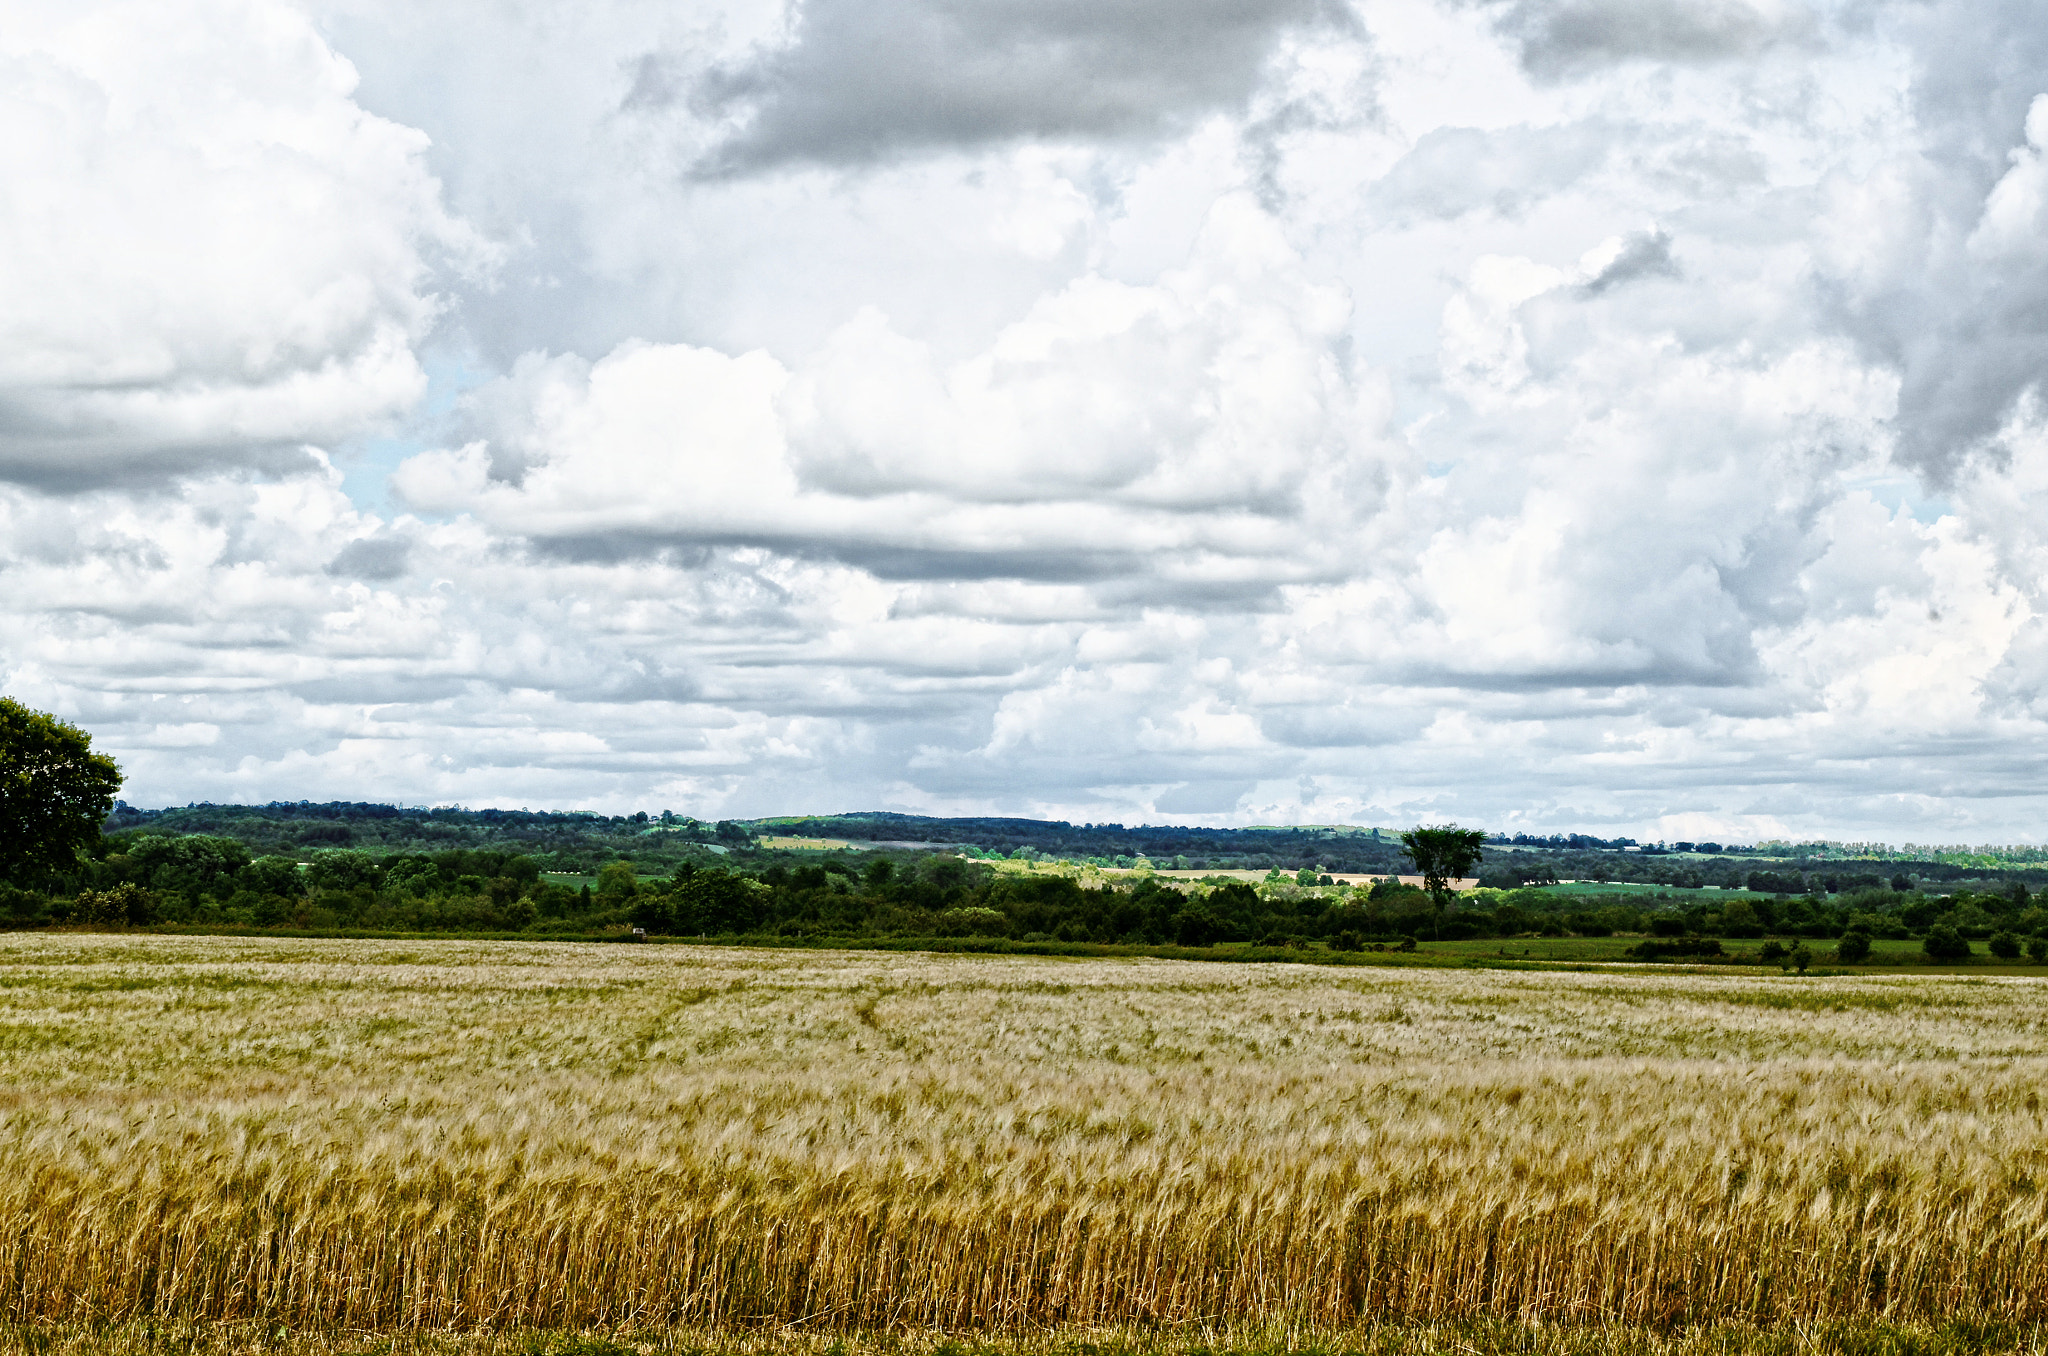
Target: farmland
[447, 1135]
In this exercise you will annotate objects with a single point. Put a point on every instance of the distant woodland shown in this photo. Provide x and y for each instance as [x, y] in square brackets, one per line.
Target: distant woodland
[347, 867]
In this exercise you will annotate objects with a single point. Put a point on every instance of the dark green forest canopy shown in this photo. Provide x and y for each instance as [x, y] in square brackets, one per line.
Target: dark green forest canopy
[284, 825]
[582, 841]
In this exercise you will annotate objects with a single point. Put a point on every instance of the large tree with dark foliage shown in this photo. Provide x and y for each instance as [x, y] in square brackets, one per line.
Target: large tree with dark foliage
[54, 790]
[1443, 853]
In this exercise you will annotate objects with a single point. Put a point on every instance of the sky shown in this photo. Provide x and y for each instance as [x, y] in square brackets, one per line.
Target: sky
[1621, 416]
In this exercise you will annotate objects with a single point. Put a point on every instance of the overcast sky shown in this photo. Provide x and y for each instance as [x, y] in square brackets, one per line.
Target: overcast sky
[1614, 415]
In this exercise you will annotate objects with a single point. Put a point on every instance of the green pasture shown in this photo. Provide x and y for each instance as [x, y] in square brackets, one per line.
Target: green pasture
[1885, 954]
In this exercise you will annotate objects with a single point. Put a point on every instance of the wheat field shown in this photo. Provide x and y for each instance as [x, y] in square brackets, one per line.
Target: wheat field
[357, 1135]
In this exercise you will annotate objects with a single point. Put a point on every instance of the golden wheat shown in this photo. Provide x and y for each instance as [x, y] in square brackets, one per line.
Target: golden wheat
[384, 1135]
[1477, 1338]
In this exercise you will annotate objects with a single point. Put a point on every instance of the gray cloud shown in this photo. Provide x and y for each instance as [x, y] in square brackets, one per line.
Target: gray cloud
[1958, 302]
[866, 80]
[375, 559]
[1203, 797]
[1643, 254]
[1342, 727]
[1560, 38]
[884, 560]
[61, 459]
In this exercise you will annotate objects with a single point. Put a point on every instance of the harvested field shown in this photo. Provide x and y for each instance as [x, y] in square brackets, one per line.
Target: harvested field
[383, 1135]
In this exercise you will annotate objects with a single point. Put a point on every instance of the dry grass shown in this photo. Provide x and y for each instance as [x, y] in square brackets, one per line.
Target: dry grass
[376, 1135]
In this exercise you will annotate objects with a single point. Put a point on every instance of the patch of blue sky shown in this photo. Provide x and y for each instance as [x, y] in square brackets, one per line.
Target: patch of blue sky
[367, 463]
[1904, 494]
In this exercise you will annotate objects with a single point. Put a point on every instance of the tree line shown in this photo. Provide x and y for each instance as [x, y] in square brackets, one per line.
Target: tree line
[213, 882]
[686, 879]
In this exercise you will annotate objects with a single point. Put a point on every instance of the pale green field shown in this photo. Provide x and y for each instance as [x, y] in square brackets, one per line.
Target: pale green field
[361, 1136]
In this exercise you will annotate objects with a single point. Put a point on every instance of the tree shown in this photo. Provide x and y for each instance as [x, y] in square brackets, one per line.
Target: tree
[1442, 853]
[1854, 948]
[616, 883]
[1944, 945]
[2005, 945]
[344, 869]
[1739, 919]
[55, 792]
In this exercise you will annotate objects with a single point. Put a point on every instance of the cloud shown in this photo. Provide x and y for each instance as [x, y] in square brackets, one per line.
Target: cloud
[1639, 255]
[1165, 440]
[371, 558]
[859, 83]
[214, 256]
[1542, 415]
[1561, 38]
[1455, 170]
[1926, 255]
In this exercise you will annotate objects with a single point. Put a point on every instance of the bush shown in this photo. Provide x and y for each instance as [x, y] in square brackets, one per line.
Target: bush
[1771, 953]
[1971, 921]
[1944, 945]
[2037, 949]
[1853, 949]
[2005, 946]
[127, 903]
[20, 906]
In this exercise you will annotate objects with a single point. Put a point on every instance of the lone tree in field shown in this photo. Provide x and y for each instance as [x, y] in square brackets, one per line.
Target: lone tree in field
[54, 790]
[1442, 854]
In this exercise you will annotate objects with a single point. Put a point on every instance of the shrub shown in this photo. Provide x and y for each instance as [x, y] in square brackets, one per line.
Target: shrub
[1681, 948]
[2005, 946]
[2037, 948]
[1944, 945]
[1971, 921]
[20, 906]
[973, 922]
[126, 903]
[1771, 953]
[1853, 949]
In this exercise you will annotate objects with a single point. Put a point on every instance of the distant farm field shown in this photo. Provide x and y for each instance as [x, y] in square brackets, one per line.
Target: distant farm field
[355, 1135]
